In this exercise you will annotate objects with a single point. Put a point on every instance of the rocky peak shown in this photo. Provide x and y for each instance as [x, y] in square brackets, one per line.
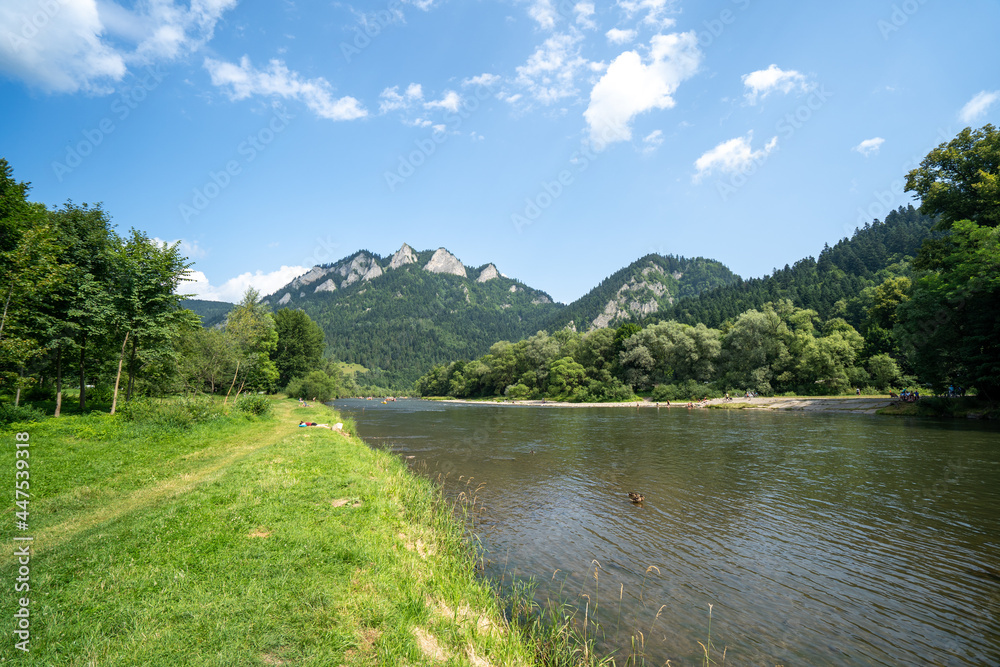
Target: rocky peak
[444, 262]
[405, 255]
[489, 273]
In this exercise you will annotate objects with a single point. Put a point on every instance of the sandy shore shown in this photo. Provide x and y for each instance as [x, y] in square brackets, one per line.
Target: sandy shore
[854, 404]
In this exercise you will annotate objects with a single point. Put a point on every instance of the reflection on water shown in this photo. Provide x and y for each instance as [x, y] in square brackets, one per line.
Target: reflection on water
[818, 539]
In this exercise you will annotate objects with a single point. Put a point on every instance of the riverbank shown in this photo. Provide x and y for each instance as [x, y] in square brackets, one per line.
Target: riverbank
[855, 404]
[236, 540]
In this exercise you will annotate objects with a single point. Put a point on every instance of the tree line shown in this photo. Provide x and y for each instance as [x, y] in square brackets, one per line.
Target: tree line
[87, 308]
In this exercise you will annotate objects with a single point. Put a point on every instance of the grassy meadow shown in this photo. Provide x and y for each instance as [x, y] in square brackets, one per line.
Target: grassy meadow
[217, 538]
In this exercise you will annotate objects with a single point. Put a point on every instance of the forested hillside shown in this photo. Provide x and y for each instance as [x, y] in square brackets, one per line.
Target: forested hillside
[645, 286]
[399, 315]
[880, 250]
[212, 313]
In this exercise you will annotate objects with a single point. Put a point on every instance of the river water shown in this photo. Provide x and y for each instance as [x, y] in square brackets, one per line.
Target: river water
[818, 539]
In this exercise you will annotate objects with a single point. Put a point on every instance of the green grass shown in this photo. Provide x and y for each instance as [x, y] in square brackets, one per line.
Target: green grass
[968, 407]
[239, 541]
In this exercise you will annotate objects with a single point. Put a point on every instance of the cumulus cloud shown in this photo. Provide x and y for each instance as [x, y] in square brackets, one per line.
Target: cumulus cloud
[243, 80]
[584, 12]
[451, 101]
[392, 100]
[869, 147]
[233, 289]
[619, 36]
[551, 71]
[732, 156]
[977, 107]
[65, 46]
[654, 11]
[485, 79]
[631, 86]
[544, 13]
[763, 82]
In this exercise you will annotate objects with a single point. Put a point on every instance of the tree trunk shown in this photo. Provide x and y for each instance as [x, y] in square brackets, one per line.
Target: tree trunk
[83, 376]
[3, 320]
[20, 379]
[121, 358]
[234, 382]
[58, 380]
[131, 372]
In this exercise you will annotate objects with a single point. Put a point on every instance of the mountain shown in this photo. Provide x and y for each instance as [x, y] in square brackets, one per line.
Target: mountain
[644, 287]
[399, 315]
[212, 313]
[828, 285]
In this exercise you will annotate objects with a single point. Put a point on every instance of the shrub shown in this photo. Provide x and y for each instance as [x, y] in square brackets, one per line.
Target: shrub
[23, 413]
[316, 385]
[253, 404]
[179, 413]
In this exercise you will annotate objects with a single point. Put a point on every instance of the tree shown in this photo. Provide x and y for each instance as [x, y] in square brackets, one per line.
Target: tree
[207, 359]
[251, 327]
[29, 273]
[949, 329]
[315, 385]
[884, 371]
[146, 303]
[566, 378]
[82, 310]
[960, 180]
[300, 345]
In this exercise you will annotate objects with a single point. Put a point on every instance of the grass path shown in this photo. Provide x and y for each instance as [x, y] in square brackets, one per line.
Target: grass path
[239, 542]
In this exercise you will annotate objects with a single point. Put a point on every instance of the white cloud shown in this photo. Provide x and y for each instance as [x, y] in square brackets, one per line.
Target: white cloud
[652, 141]
[763, 82]
[233, 289]
[244, 80]
[584, 15]
[450, 102]
[977, 107]
[544, 12]
[618, 36]
[631, 87]
[65, 46]
[550, 73]
[424, 5]
[390, 99]
[654, 9]
[732, 156]
[869, 147]
[485, 79]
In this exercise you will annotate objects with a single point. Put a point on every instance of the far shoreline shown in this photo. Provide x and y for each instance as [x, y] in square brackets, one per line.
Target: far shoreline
[849, 404]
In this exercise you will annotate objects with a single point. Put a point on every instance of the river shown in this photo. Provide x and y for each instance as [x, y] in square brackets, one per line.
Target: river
[817, 539]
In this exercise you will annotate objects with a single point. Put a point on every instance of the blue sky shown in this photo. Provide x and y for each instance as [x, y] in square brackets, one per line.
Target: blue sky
[559, 140]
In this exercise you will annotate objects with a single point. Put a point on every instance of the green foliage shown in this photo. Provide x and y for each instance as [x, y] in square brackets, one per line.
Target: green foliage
[24, 413]
[250, 327]
[300, 344]
[315, 386]
[172, 413]
[653, 278]
[960, 180]
[950, 326]
[211, 313]
[884, 372]
[401, 323]
[253, 405]
[827, 285]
